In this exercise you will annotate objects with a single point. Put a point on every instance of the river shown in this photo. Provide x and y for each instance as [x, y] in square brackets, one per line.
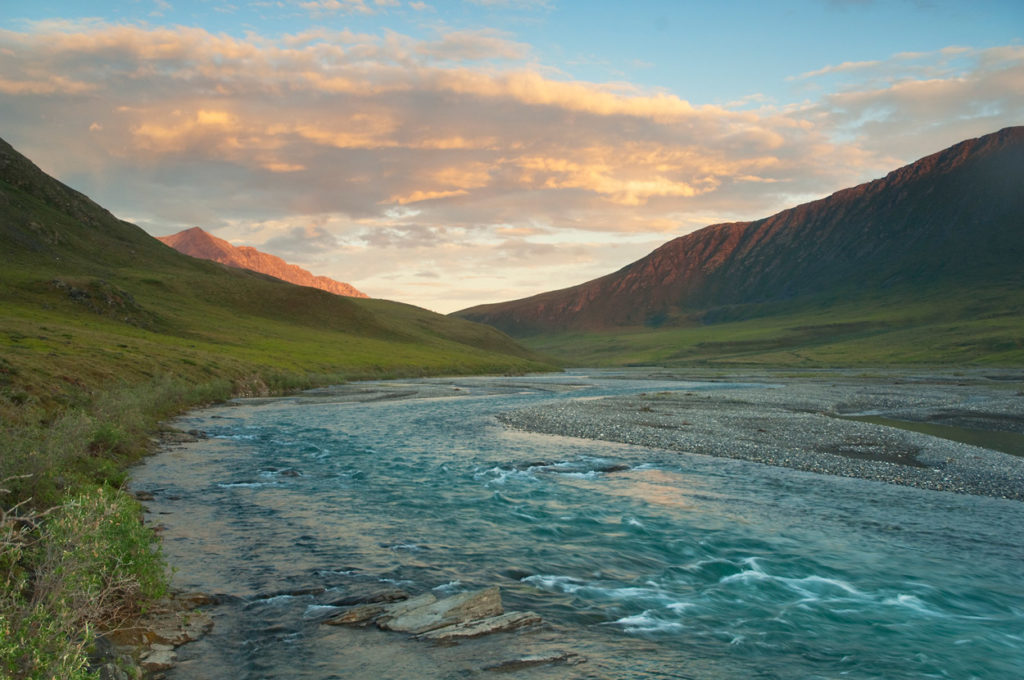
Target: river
[645, 563]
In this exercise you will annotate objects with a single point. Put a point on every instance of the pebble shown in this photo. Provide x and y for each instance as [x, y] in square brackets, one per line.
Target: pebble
[793, 423]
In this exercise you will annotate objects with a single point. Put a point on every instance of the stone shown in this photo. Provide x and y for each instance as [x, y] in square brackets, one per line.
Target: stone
[182, 628]
[160, 658]
[371, 596]
[193, 600]
[379, 606]
[480, 627]
[465, 615]
[358, 615]
[480, 604]
[171, 436]
[111, 671]
[567, 658]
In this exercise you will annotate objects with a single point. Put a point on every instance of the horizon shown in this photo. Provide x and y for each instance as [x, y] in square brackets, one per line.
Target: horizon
[490, 150]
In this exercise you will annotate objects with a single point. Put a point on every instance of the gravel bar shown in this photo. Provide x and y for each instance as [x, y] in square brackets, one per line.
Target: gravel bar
[801, 423]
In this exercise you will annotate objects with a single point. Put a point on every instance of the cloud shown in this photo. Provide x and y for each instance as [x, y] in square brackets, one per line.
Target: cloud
[457, 153]
[474, 46]
[320, 7]
[297, 242]
[913, 104]
[513, 4]
[839, 68]
[161, 7]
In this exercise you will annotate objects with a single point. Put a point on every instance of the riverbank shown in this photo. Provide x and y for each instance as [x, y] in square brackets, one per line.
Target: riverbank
[640, 561]
[801, 421]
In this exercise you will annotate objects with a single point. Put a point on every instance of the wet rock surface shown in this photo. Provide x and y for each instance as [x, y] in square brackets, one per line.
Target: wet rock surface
[460, 616]
[147, 649]
[513, 665]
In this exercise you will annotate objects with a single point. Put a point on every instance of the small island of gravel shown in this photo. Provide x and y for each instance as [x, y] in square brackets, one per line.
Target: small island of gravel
[817, 422]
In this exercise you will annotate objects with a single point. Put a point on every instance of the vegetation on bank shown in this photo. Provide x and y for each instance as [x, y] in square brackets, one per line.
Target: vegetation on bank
[951, 327]
[105, 333]
[74, 556]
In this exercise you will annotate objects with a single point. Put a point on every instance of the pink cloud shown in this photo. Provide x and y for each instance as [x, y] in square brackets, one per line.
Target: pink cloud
[458, 140]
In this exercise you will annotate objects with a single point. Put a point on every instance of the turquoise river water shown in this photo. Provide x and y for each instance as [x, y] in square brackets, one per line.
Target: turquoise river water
[645, 563]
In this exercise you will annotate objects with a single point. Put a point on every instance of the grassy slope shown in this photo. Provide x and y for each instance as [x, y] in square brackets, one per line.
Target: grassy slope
[100, 306]
[104, 332]
[93, 311]
[981, 326]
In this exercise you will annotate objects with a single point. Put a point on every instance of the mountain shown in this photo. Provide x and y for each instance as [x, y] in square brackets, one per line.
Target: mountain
[89, 302]
[947, 224]
[198, 243]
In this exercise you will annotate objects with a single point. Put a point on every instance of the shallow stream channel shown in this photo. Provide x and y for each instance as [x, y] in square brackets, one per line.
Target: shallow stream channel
[642, 563]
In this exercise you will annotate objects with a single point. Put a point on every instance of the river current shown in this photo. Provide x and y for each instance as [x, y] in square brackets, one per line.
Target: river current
[645, 563]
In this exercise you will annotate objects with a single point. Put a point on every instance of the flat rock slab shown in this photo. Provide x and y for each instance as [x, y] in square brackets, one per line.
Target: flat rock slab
[512, 665]
[480, 627]
[399, 609]
[373, 596]
[465, 615]
[159, 658]
[358, 615]
[461, 608]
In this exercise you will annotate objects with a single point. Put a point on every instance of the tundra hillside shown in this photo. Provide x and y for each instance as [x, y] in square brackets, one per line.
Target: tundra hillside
[920, 267]
[104, 333]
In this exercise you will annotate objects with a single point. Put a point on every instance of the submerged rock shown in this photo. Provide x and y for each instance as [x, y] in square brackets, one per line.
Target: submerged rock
[472, 606]
[480, 627]
[465, 615]
[377, 595]
[393, 611]
[512, 665]
[358, 615]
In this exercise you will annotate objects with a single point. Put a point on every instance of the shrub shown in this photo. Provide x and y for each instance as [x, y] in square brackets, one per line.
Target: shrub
[84, 565]
[98, 561]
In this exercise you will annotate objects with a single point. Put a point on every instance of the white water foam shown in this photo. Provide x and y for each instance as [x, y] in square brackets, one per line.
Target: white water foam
[449, 588]
[613, 593]
[500, 476]
[565, 584]
[647, 622]
[246, 485]
[911, 602]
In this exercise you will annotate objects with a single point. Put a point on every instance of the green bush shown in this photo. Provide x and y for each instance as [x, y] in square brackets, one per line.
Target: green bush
[38, 648]
[87, 564]
[46, 455]
[108, 438]
[102, 563]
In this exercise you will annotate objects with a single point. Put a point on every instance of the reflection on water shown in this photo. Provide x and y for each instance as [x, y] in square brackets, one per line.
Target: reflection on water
[646, 485]
[649, 564]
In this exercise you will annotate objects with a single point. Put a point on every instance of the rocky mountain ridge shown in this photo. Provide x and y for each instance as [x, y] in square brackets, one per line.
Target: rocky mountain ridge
[955, 217]
[199, 243]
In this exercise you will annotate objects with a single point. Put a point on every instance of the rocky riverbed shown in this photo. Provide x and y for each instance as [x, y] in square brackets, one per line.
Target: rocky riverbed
[316, 509]
[804, 421]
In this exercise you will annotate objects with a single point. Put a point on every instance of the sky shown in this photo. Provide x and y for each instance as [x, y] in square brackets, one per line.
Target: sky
[460, 152]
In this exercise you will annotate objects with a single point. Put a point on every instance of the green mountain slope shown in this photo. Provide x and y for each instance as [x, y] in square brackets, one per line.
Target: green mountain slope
[923, 265]
[87, 298]
[104, 332]
[95, 314]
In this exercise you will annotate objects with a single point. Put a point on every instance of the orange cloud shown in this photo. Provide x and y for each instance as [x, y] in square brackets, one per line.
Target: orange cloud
[419, 196]
[481, 146]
